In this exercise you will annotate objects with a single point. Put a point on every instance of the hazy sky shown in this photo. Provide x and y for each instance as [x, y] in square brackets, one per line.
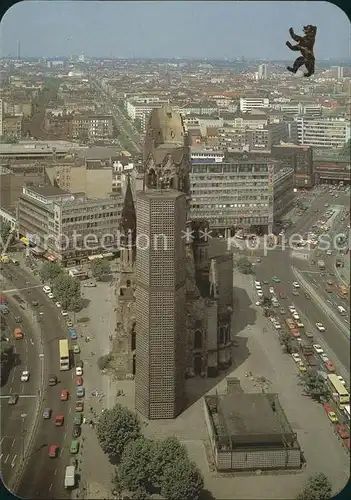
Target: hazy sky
[170, 29]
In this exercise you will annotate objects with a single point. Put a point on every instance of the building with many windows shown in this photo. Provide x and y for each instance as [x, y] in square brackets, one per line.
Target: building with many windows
[235, 192]
[68, 228]
[160, 303]
[300, 159]
[250, 103]
[324, 132]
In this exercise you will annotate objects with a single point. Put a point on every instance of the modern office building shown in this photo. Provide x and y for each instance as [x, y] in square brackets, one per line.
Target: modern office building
[326, 132]
[5, 186]
[235, 192]
[65, 227]
[249, 103]
[160, 303]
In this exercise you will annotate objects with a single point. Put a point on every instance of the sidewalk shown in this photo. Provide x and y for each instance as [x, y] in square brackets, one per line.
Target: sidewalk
[97, 321]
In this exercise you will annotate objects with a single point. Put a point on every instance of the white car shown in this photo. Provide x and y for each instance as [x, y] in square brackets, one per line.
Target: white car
[64, 313]
[271, 290]
[46, 289]
[296, 357]
[318, 349]
[320, 327]
[295, 316]
[79, 371]
[258, 303]
[257, 284]
[324, 357]
[277, 326]
[292, 309]
[58, 304]
[50, 295]
[296, 285]
[299, 324]
[260, 293]
[341, 379]
[25, 376]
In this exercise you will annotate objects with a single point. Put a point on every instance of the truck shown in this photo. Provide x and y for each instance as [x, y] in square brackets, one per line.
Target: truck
[321, 265]
[70, 476]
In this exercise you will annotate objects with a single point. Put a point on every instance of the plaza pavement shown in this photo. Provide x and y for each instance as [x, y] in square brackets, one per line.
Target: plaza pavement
[258, 354]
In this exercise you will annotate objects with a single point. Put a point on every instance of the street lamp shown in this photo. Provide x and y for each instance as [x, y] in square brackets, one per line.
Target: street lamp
[23, 416]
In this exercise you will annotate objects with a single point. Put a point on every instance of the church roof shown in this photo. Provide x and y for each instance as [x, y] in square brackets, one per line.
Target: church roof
[128, 216]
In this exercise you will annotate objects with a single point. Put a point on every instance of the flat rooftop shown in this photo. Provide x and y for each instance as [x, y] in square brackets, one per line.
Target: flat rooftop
[251, 420]
[47, 190]
[160, 194]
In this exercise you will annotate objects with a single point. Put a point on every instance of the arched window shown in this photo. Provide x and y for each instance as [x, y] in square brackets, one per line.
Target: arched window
[197, 339]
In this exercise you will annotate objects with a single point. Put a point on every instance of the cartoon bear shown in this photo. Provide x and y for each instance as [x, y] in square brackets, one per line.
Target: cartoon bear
[305, 46]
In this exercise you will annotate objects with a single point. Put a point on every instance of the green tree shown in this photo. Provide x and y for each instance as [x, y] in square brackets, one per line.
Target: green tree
[287, 341]
[99, 268]
[140, 494]
[314, 385]
[49, 271]
[6, 236]
[244, 265]
[182, 479]
[136, 468]
[67, 291]
[116, 428]
[165, 453]
[318, 487]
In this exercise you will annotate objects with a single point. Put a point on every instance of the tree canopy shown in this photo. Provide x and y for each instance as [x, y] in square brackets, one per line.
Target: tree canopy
[116, 428]
[244, 265]
[147, 466]
[182, 479]
[318, 487]
[67, 291]
[99, 268]
[314, 386]
[5, 235]
[49, 271]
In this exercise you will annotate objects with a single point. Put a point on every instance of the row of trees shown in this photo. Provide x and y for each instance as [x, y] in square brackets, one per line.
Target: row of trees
[100, 268]
[146, 466]
[65, 288]
[6, 236]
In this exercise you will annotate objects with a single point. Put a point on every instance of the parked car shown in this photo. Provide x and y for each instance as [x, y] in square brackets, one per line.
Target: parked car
[54, 450]
[47, 413]
[79, 406]
[80, 391]
[78, 418]
[59, 419]
[64, 394]
[76, 432]
[76, 349]
[330, 366]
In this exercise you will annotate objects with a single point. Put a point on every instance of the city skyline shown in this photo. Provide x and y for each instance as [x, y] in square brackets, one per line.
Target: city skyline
[170, 29]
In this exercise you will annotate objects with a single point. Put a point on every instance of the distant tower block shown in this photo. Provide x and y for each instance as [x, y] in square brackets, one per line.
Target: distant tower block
[161, 336]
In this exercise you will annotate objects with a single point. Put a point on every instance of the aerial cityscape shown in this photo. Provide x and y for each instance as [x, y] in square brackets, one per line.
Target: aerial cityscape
[175, 250]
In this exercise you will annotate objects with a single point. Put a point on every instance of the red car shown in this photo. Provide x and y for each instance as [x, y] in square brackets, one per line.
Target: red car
[295, 332]
[59, 420]
[79, 380]
[53, 450]
[342, 431]
[329, 366]
[64, 395]
[347, 443]
[282, 294]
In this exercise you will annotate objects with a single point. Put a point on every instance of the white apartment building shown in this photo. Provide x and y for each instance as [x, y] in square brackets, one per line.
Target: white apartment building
[295, 109]
[250, 103]
[139, 106]
[326, 132]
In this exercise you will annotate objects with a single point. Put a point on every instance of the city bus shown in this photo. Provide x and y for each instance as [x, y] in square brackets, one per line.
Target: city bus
[338, 390]
[64, 354]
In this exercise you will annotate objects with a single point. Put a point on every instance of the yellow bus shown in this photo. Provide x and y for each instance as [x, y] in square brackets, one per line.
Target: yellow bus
[64, 354]
[339, 391]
